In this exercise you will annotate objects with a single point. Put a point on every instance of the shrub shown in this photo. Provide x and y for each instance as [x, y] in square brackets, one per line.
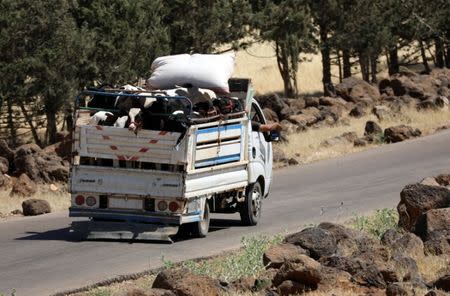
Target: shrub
[377, 223]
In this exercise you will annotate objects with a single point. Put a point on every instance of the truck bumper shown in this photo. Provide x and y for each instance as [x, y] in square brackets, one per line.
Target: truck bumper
[124, 230]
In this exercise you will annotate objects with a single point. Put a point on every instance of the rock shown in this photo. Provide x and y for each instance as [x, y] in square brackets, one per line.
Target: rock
[443, 179]
[244, 284]
[305, 271]
[293, 161]
[150, 292]
[319, 242]
[381, 112]
[372, 128]
[442, 102]
[430, 181]
[408, 244]
[313, 111]
[403, 85]
[5, 181]
[271, 101]
[390, 236]
[285, 113]
[277, 255]
[16, 212]
[343, 139]
[332, 278]
[400, 133]
[354, 89]
[270, 115]
[348, 264]
[6, 152]
[185, 283]
[405, 267]
[369, 277]
[297, 105]
[437, 243]
[291, 288]
[4, 165]
[417, 199]
[436, 293]
[443, 283]
[23, 186]
[330, 101]
[360, 142]
[437, 220]
[312, 102]
[428, 104]
[400, 289]
[303, 119]
[357, 112]
[33, 207]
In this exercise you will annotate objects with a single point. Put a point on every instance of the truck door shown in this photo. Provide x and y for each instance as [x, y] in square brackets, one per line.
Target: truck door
[260, 153]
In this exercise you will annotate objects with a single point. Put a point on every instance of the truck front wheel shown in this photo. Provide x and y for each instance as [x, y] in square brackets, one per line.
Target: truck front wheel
[251, 207]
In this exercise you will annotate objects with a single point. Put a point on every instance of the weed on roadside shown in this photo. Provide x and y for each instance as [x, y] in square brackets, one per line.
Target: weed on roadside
[246, 262]
[377, 223]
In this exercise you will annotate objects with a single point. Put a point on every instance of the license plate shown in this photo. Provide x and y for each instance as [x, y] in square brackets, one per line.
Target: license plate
[128, 204]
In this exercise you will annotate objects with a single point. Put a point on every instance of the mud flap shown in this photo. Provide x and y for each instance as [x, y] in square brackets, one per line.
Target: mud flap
[123, 230]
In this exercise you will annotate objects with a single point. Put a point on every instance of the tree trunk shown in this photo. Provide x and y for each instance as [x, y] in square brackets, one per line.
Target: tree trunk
[347, 66]
[339, 65]
[447, 50]
[326, 63]
[364, 64]
[283, 67]
[424, 57]
[51, 127]
[393, 61]
[12, 129]
[29, 120]
[439, 46]
[373, 67]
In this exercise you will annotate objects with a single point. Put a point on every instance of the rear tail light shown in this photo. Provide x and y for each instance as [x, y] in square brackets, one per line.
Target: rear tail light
[79, 200]
[173, 206]
[91, 201]
[162, 205]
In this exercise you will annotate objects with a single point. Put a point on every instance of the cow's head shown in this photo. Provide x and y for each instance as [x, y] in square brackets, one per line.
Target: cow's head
[136, 120]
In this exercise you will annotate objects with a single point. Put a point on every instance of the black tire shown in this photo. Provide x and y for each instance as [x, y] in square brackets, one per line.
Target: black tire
[250, 209]
[198, 229]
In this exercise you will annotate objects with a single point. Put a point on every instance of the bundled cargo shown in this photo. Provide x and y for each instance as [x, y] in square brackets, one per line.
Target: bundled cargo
[211, 71]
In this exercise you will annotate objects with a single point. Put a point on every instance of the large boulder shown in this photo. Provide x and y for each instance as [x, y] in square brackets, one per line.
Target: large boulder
[357, 90]
[330, 101]
[357, 112]
[345, 138]
[443, 179]
[319, 242]
[33, 207]
[277, 255]
[369, 277]
[437, 220]
[289, 287]
[23, 186]
[303, 119]
[437, 243]
[312, 102]
[381, 112]
[416, 200]
[400, 133]
[271, 101]
[404, 243]
[305, 271]
[185, 283]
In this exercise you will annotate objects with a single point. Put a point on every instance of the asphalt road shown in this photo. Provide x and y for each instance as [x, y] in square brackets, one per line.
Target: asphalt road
[38, 255]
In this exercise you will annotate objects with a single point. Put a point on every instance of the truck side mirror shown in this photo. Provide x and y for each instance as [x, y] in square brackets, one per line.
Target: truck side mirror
[274, 136]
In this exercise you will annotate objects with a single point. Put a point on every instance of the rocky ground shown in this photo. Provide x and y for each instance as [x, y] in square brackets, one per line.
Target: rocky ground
[355, 98]
[331, 259]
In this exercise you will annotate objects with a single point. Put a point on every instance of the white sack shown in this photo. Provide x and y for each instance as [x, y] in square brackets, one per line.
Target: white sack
[210, 71]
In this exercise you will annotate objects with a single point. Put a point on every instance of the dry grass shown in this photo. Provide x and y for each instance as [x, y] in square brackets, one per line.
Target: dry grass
[259, 63]
[59, 199]
[306, 146]
[433, 267]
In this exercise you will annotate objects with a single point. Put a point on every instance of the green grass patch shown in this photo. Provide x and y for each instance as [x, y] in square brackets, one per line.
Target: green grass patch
[377, 223]
[243, 263]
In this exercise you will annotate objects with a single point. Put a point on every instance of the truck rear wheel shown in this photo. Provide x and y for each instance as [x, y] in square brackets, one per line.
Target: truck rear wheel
[251, 208]
[197, 229]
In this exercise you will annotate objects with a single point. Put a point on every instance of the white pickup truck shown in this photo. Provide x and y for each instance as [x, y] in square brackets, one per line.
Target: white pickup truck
[150, 184]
